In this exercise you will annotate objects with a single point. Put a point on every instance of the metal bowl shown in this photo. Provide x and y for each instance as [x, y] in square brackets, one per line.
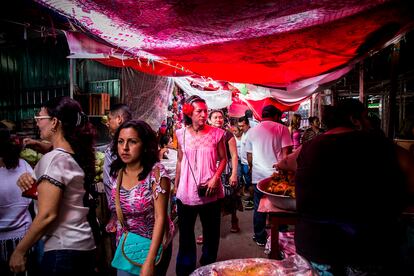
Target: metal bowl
[280, 201]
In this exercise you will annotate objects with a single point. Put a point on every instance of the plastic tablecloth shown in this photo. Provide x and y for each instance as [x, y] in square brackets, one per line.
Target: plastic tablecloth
[291, 266]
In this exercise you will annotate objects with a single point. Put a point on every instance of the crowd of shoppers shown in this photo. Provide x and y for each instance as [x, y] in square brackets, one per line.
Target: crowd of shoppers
[341, 216]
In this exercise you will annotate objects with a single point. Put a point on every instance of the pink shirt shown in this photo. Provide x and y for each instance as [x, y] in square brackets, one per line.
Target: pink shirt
[201, 152]
[296, 135]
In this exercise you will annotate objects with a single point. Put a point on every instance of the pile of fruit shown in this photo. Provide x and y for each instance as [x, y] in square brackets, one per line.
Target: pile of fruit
[99, 162]
[31, 156]
[282, 183]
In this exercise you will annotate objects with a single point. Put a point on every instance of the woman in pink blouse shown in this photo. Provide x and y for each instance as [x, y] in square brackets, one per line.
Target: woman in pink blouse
[201, 161]
[143, 195]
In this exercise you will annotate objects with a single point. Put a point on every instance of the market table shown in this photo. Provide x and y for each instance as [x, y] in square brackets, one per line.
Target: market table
[277, 217]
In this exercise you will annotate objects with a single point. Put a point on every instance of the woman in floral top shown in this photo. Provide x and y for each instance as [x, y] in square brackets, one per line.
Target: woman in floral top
[143, 196]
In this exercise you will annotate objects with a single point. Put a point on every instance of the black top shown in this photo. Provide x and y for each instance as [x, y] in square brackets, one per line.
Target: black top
[349, 194]
[227, 136]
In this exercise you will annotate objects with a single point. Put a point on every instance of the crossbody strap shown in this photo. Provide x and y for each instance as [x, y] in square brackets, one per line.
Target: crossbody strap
[191, 169]
[118, 200]
[118, 194]
[121, 217]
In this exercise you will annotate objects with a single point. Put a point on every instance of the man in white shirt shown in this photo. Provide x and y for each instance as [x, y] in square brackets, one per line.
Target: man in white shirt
[266, 144]
[249, 115]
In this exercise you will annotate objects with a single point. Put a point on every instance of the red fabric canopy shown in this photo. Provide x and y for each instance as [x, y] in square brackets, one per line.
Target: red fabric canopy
[293, 45]
[263, 42]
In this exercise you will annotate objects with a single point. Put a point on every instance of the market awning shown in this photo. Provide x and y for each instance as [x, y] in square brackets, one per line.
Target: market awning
[291, 45]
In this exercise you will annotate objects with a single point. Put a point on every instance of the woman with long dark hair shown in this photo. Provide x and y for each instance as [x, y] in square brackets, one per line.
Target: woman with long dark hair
[15, 218]
[143, 193]
[64, 178]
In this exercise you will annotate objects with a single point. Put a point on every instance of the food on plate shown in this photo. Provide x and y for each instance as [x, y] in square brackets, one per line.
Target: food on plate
[247, 270]
[282, 183]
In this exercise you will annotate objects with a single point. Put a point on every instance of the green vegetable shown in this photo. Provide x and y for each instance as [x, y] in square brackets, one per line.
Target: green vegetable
[29, 155]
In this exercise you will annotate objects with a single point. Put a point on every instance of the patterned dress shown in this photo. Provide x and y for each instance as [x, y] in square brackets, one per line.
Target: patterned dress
[137, 205]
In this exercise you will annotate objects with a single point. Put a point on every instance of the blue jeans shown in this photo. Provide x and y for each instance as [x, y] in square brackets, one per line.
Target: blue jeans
[243, 173]
[68, 262]
[259, 218]
[210, 217]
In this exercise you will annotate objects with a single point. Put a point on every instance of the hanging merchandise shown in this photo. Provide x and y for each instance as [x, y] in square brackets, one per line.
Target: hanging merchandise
[215, 99]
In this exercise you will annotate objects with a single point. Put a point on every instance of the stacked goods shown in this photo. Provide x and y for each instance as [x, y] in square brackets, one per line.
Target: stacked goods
[282, 183]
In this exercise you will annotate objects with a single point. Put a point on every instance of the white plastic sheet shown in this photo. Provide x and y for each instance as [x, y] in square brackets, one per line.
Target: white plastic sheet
[291, 266]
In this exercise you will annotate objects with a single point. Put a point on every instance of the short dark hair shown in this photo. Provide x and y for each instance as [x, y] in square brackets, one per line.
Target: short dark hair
[123, 110]
[312, 119]
[244, 119]
[248, 113]
[164, 140]
[269, 111]
[340, 115]
[9, 151]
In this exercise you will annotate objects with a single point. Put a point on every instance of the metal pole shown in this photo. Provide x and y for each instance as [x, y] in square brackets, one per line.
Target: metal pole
[392, 107]
[71, 78]
[319, 105]
[361, 82]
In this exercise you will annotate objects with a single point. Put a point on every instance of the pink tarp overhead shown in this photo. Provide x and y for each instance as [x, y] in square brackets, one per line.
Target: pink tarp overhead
[218, 94]
[294, 45]
[82, 46]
